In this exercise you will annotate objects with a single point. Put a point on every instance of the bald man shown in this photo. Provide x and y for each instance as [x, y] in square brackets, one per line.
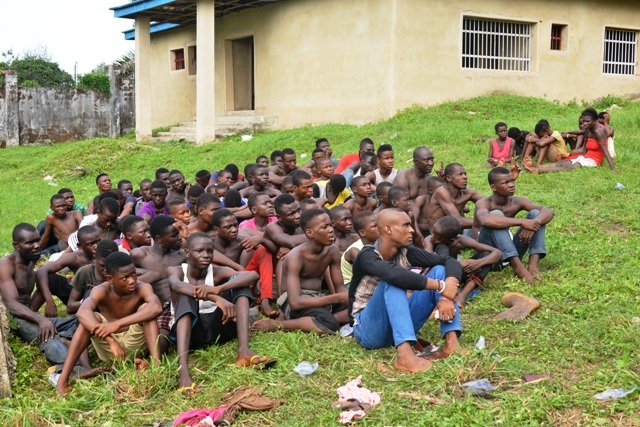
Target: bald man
[388, 303]
[415, 179]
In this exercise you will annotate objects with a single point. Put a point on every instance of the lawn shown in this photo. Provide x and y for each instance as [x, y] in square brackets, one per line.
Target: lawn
[586, 335]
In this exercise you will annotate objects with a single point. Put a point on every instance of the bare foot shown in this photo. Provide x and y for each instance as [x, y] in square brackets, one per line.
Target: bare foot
[407, 361]
[265, 308]
[266, 325]
[520, 307]
[515, 170]
[141, 364]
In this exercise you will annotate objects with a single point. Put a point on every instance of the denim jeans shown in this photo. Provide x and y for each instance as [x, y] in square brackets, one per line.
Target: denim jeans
[54, 349]
[390, 318]
[501, 238]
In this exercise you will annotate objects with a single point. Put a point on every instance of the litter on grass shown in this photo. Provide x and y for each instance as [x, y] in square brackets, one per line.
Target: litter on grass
[615, 393]
[305, 368]
[481, 344]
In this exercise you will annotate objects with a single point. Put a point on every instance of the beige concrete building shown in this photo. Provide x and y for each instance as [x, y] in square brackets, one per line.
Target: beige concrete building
[353, 61]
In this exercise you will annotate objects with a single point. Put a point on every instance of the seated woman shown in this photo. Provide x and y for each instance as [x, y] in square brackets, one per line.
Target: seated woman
[590, 154]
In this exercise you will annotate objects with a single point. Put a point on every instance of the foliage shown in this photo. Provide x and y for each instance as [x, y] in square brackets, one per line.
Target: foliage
[126, 65]
[584, 335]
[96, 80]
[41, 71]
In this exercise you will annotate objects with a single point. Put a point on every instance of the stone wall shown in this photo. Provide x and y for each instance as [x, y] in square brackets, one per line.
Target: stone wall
[43, 115]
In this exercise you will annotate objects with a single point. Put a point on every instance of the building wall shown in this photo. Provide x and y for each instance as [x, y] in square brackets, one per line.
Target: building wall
[429, 67]
[362, 60]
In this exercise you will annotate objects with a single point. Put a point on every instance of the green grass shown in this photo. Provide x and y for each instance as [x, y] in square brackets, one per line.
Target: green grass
[583, 335]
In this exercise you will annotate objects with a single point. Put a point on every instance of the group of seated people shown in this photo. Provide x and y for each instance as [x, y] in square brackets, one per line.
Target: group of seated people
[547, 150]
[315, 247]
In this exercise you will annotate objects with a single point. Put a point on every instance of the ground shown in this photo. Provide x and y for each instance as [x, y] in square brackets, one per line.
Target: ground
[585, 335]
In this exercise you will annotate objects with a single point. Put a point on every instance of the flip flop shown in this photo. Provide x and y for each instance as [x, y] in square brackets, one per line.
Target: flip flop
[189, 390]
[258, 362]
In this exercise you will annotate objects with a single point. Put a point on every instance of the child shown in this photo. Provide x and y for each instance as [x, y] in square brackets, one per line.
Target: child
[324, 169]
[447, 240]
[304, 305]
[333, 192]
[207, 311]
[192, 197]
[112, 316]
[221, 190]
[366, 225]
[203, 177]
[136, 234]
[501, 148]
[206, 205]
[157, 205]
[61, 222]
[145, 195]
[399, 199]
[72, 205]
[386, 160]
[287, 186]
[362, 190]
[303, 185]
[262, 160]
[91, 275]
[382, 192]
[178, 210]
[342, 223]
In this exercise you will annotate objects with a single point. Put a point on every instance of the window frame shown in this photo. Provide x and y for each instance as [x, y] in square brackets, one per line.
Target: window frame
[609, 66]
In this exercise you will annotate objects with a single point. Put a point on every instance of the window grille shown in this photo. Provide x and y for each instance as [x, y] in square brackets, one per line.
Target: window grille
[556, 36]
[496, 45]
[619, 52]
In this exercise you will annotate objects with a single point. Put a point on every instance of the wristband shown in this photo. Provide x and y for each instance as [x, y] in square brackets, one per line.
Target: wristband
[442, 285]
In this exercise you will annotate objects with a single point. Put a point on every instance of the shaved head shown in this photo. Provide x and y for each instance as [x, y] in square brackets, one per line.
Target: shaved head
[395, 228]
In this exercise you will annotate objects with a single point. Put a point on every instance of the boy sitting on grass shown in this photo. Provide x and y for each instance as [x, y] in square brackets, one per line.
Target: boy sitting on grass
[118, 318]
[342, 223]
[206, 311]
[362, 201]
[304, 305]
[61, 222]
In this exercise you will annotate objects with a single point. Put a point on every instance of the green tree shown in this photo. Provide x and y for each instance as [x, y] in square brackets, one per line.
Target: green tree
[40, 72]
[96, 80]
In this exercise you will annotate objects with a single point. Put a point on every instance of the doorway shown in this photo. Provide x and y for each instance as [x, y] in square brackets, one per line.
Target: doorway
[239, 74]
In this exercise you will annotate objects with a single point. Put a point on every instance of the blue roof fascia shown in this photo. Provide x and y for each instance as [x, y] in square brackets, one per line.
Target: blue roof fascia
[130, 10]
[155, 28]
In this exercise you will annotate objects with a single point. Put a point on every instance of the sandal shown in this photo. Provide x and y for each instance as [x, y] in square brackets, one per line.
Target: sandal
[255, 361]
[189, 390]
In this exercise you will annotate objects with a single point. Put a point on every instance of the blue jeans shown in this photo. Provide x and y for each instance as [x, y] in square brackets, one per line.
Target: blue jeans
[510, 247]
[390, 318]
[54, 350]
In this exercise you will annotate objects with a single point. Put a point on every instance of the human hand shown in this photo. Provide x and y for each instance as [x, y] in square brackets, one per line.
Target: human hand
[531, 225]
[470, 265]
[526, 235]
[103, 330]
[228, 310]
[446, 310]
[116, 350]
[250, 243]
[201, 291]
[46, 330]
[50, 309]
[282, 252]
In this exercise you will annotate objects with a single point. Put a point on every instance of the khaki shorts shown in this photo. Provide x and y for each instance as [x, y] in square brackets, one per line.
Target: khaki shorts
[131, 340]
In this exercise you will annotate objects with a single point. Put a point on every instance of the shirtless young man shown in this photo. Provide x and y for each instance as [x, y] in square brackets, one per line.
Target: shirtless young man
[260, 184]
[305, 306]
[50, 283]
[497, 213]
[451, 198]
[178, 186]
[415, 179]
[154, 261]
[61, 223]
[421, 204]
[103, 182]
[210, 305]
[206, 205]
[136, 233]
[342, 222]
[362, 201]
[17, 281]
[118, 318]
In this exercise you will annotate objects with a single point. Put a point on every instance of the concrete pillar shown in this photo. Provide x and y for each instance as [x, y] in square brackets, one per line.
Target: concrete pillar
[7, 361]
[205, 77]
[11, 116]
[114, 102]
[143, 79]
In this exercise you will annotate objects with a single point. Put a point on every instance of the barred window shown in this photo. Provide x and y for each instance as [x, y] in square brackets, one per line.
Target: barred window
[177, 59]
[619, 52]
[496, 45]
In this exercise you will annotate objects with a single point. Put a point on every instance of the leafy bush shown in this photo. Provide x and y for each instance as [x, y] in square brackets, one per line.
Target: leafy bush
[40, 72]
[95, 80]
